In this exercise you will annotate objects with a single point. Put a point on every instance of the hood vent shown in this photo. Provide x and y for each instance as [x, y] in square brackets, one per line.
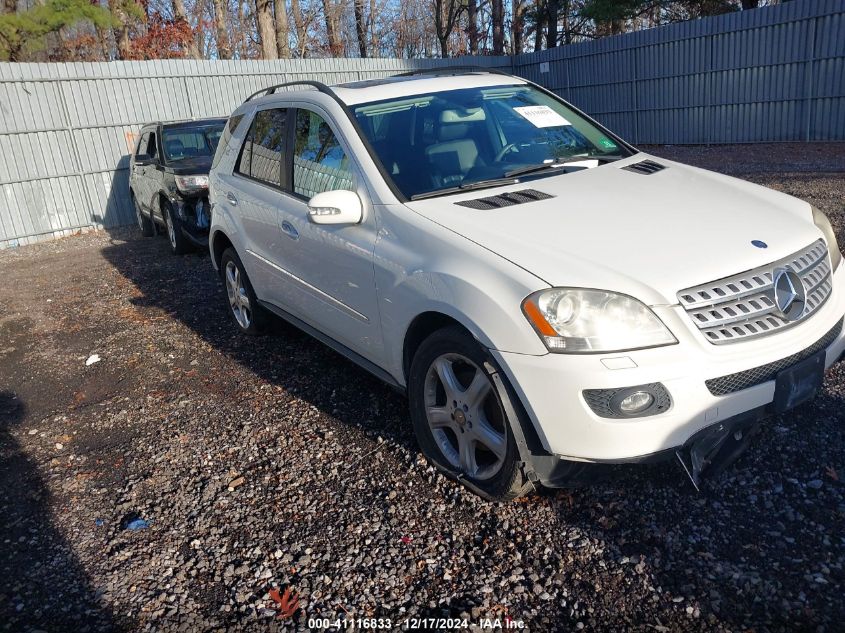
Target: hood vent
[506, 199]
[645, 167]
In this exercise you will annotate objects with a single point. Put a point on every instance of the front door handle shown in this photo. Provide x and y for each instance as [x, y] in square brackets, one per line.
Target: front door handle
[231, 198]
[290, 230]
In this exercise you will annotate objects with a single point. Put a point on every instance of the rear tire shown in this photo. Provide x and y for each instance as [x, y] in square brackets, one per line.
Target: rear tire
[244, 308]
[173, 230]
[144, 222]
[458, 416]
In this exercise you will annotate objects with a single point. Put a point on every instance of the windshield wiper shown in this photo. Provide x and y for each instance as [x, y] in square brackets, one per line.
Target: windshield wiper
[510, 177]
[533, 169]
[478, 184]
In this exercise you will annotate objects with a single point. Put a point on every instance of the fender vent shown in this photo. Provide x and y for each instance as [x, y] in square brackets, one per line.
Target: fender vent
[506, 199]
[645, 167]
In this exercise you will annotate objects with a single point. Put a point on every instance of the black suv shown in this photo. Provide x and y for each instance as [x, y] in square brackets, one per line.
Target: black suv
[168, 180]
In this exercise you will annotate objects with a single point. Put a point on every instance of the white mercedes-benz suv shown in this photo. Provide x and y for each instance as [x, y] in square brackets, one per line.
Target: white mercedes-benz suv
[547, 295]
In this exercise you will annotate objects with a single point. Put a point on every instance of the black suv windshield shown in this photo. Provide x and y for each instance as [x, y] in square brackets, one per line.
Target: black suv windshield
[452, 139]
[184, 142]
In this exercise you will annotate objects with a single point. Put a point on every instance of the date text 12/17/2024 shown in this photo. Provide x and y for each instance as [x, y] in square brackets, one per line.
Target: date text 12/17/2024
[505, 623]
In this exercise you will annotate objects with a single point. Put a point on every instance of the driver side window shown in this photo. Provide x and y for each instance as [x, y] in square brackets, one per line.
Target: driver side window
[319, 162]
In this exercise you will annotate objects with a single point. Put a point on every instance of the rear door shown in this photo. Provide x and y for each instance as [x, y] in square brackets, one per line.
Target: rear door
[255, 193]
[153, 174]
[139, 181]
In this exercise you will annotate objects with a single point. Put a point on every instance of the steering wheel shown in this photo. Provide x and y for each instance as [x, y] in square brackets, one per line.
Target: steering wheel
[507, 148]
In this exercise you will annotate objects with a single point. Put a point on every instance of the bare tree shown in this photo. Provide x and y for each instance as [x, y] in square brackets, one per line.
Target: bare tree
[498, 11]
[517, 26]
[446, 14]
[266, 32]
[121, 15]
[281, 12]
[472, 26]
[181, 15]
[374, 38]
[333, 34]
[552, 9]
[360, 27]
[540, 20]
[299, 27]
[221, 31]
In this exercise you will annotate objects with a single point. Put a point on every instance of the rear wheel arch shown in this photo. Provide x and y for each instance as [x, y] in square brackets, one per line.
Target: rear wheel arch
[219, 243]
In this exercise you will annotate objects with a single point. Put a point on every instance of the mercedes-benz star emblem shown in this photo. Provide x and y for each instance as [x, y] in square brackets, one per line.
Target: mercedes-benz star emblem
[789, 292]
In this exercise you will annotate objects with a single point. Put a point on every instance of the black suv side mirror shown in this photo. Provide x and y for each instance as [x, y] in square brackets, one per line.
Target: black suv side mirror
[143, 159]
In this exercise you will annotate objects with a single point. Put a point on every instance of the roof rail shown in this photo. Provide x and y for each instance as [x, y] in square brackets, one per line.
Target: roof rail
[448, 70]
[272, 89]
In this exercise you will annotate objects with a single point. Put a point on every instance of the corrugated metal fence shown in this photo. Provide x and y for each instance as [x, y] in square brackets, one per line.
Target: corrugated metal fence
[771, 74]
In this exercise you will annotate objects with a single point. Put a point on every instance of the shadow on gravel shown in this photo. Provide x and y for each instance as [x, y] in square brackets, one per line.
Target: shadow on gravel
[35, 559]
[749, 546]
[724, 551]
[188, 289]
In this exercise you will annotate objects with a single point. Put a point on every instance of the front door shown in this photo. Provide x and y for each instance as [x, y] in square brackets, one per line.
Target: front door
[331, 284]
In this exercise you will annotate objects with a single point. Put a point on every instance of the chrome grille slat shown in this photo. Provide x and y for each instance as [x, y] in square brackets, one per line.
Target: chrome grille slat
[742, 306]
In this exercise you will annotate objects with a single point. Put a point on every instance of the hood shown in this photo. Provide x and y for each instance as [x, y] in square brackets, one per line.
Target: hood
[191, 166]
[647, 235]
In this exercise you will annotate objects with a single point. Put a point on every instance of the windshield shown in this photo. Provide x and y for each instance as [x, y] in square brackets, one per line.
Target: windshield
[444, 140]
[191, 142]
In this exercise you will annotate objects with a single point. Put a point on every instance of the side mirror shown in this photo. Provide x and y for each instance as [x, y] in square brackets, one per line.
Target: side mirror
[143, 159]
[335, 207]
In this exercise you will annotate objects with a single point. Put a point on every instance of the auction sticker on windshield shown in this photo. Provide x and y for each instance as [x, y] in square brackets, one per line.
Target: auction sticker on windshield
[542, 116]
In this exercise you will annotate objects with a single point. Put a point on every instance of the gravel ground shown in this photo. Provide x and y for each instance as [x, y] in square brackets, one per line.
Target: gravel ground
[274, 463]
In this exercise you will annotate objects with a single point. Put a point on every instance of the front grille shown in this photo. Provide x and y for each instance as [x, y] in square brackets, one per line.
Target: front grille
[758, 375]
[742, 307]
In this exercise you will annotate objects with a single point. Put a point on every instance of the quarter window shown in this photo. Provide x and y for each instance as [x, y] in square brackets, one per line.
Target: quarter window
[319, 162]
[142, 144]
[262, 156]
[230, 128]
[152, 148]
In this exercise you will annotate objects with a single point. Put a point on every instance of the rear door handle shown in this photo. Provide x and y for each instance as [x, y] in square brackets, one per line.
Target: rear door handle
[231, 198]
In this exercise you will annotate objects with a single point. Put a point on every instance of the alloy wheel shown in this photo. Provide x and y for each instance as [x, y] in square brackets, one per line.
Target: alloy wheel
[238, 298]
[465, 416]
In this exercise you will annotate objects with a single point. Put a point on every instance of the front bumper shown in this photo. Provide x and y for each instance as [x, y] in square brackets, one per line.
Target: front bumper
[551, 386]
[194, 217]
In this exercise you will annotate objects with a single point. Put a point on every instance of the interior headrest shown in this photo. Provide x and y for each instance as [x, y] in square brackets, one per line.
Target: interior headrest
[470, 115]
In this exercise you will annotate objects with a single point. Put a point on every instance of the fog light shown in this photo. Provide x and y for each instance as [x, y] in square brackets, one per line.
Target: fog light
[629, 402]
[636, 402]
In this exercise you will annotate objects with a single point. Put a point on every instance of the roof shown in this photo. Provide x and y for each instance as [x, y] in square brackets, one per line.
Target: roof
[397, 86]
[406, 86]
[186, 122]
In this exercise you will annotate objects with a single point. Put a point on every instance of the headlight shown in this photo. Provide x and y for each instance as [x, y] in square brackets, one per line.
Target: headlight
[823, 223]
[191, 184]
[573, 320]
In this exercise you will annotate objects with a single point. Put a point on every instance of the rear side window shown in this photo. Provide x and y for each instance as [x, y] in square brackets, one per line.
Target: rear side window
[152, 146]
[262, 155]
[319, 162]
[230, 128]
[142, 144]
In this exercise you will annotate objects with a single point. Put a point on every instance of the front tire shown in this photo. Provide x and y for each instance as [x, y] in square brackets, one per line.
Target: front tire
[178, 242]
[244, 308]
[458, 416]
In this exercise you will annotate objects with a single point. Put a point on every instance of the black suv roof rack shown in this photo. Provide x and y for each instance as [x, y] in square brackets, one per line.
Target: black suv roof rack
[319, 85]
